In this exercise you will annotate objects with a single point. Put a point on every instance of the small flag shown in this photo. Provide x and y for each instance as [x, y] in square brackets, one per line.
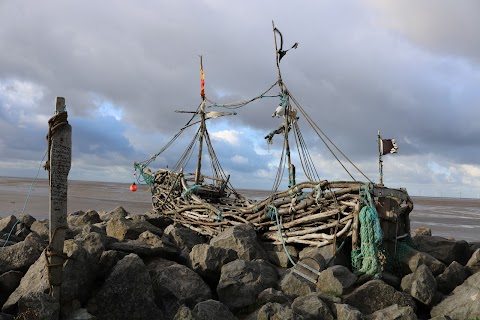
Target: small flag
[202, 83]
[388, 146]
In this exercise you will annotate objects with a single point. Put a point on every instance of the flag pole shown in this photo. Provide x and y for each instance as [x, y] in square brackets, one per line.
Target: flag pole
[380, 161]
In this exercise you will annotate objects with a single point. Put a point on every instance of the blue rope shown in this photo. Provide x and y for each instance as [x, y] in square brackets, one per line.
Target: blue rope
[273, 214]
[26, 200]
[187, 192]
[219, 216]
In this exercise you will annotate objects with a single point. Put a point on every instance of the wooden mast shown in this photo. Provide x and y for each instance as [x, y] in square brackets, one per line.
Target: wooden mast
[202, 124]
[380, 161]
[291, 168]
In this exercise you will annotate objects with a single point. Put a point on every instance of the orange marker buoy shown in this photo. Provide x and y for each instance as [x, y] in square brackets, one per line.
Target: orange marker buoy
[133, 187]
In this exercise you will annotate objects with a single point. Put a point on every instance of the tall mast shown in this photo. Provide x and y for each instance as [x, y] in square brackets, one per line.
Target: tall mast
[202, 123]
[287, 106]
[380, 161]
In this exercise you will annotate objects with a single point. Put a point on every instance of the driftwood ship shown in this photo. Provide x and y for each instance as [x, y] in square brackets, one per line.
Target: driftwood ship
[314, 212]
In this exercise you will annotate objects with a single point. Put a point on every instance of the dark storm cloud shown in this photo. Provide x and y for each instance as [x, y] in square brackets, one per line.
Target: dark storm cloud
[360, 66]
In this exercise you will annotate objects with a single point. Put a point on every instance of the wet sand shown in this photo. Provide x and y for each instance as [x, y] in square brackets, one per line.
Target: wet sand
[447, 217]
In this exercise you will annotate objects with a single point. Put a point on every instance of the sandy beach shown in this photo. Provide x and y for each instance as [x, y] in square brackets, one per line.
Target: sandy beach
[447, 217]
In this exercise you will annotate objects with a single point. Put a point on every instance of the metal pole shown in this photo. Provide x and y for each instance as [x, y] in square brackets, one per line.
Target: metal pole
[380, 161]
[60, 144]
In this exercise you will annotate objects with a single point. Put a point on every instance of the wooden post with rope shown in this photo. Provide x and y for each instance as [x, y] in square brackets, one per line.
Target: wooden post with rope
[58, 164]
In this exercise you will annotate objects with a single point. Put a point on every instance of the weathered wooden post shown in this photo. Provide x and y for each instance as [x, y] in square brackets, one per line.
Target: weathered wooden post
[59, 161]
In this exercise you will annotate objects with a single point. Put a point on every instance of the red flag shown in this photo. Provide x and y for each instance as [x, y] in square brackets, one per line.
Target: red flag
[202, 83]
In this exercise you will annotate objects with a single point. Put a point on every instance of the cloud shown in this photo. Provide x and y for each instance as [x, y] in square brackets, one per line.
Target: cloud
[409, 69]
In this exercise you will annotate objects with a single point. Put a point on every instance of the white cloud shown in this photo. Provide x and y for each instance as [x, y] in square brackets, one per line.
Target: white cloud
[237, 159]
[230, 136]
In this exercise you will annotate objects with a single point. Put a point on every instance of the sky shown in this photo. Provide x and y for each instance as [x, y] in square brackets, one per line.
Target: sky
[410, 69]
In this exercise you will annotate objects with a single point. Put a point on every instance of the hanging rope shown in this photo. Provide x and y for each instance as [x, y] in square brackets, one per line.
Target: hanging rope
[54, 123]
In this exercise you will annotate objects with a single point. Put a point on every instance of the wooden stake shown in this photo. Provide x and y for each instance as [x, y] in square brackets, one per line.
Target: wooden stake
[60, 162]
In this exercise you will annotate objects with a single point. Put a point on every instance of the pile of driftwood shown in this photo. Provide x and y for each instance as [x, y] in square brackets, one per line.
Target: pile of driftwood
[309, 213]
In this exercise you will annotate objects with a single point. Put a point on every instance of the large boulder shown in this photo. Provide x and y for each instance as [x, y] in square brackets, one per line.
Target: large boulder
[273, 310]
[21, 255]
[421, 285]
[176, 285]
[212, 309]
[452, 277]
[473, 263]
[277, 255]
[126, 294]
[463, 303]
[394, 312]
[312, 307]
[412, 259]
[376, 295]
[9, 281]
[241, 281]
[243, 239]
[41, 228]
[336, 280]
[346, 312]
[443, 249]
[148, 244]
[294, 285]
[123, 229]
[79, 219]
[38, 306]
[7, 224]
[184, 238]
[208, 261]
[273, 295]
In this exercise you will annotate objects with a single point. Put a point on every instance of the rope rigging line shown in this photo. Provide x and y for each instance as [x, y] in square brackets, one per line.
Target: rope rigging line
[317, 129]
[26, 200]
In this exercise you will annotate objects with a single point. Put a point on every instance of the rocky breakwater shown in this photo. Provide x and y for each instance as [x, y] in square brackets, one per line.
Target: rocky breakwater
[127, 266]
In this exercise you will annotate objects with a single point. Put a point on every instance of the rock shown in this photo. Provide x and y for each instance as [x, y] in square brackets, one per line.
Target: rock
[294, 285]
[273, 310]
[147, 245]
[277, 255]
[390, 279]
[123, 229]
[473, 263]
[41, 229]
[34, 281]
[243, 239]
[473, 246]
[183, 313]
[422, 231]
[38, 306]
[413, 259]
[9, 281]
[241, 281]
[394, 312]
[185, 238]
[311, 307]
[80, 314]
[329, 253]
[118, 212]
[27, 220]
[7, 224]
[423, 285]
[376, 295]
[463, 302]
[212, 309]
[79, 219]
[335, 280]
[108, 260]
[176, 285]
[452, 277]
[22, 231]
[79, 273]
[126, 294]
[20, 256]
[346, 312]
[159, 221]
[93, 242]
[4, 316]
[272, 295]
[443, 249]
[208, 260]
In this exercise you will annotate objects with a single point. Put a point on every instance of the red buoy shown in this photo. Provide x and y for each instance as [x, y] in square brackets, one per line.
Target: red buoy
[133, 187]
